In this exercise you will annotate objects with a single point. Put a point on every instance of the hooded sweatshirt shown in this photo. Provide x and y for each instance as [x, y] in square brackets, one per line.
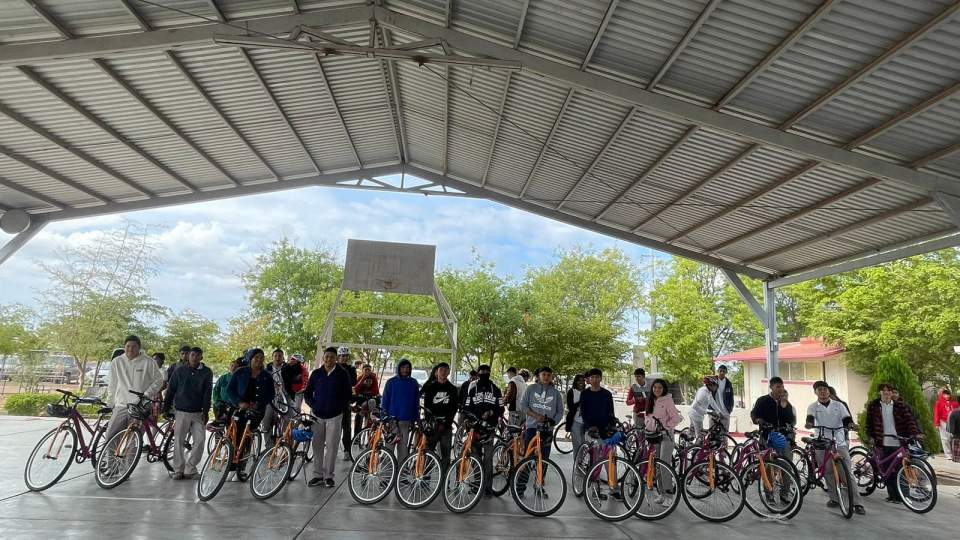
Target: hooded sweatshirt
[400, 396]
[942, 409]
[441, 399]
[367, 386]
[542, 399]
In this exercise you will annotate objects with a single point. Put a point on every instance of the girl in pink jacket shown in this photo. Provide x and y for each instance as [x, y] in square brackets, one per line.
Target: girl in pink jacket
[660, 406]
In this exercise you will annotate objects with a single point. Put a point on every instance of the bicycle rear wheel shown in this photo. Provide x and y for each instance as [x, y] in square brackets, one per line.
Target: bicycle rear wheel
[562, 439]
[917, 488]
[360, 442]
[372, 476]
[119, 459]
[169, 444]
[215, 469]
[542, 494]
[864, 473]
[462, 492]
[843, 488]
[715, 495]
[51, 458]
[661, 493]
[418, 489]
[96, 446]
[773, 493]
[613, 495]
[502, 469]
[581, 463]
[271, 471]
[299, 460]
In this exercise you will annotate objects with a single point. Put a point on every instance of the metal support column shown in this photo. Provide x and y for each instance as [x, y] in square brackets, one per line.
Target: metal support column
[18, 241]
[773, 345]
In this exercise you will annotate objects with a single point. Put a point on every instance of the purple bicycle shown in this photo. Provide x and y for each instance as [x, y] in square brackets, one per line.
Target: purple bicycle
[915, 480]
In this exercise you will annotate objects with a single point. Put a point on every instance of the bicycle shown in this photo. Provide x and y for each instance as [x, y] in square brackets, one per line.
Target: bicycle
[547, 477]
[59, 446]
[506, 455]
[770, 476]
[712, 490]
[464, 480]
[232, 452]
[582, 459]
[122, 452]
[612, 486]
[832, 464]
[917, 487]
[562, 439]
[361, 439]
[661, 493]
[375, 469]
[273, 467]
[420, 475]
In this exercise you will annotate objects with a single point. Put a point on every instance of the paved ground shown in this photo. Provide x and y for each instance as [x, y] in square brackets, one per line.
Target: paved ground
[150, 505]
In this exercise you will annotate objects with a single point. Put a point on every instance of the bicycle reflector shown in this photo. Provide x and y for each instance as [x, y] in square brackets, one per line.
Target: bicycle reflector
[302, 435]
[776, 440]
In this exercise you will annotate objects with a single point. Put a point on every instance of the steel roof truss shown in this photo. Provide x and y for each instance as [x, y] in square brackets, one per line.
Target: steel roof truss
[600, 155]
[496, 130]
[682, 44]
[546, 144]
[607, 15]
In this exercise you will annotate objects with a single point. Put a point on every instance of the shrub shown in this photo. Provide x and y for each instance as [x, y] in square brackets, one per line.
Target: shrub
[892, 369]
[29, 404]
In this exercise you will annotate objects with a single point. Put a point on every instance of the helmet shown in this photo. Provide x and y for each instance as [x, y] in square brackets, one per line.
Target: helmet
[710, 380]
[297, 356]
[776, 440]
[343, 351]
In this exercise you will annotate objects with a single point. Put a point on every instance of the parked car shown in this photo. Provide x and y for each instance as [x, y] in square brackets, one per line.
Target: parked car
[9, 367]
[420, 375]
[102, 376]
[60, 369]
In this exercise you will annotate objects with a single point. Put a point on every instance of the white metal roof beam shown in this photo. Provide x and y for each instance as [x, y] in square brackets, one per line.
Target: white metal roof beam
[599, 156]
[163, 119]
[141, 22]
[682, 44]
[101, 46]
[95, 120]
[448, 14]
[336, 109]
[919, 203]
[950, 204]
[687, 193]
[446, 119]
[916, 110]
[931, 26]
[277, 108]
[648, 172]
[31, 193]
[46, 171]
[496, 130]
[677, 108]
[64, 145]
[218, 13]
[400, 129]
[188, 77]
[611, 8]
[936, 156]
[546, 144]
[773, 55]
[523, 19]
[21, 239]
[49, 19]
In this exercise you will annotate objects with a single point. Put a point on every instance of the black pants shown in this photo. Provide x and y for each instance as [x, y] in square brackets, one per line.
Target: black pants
[443, 440]
[891, 480]
[347, 428]
[545, 441]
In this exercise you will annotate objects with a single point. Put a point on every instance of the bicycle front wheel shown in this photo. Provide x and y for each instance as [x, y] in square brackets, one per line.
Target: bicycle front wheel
[299, 460]
[661, 491]
[917, 487]
[248, 458]
[271, 471]
[772, 492]
[215, 469]
[419, 479]
[864, 474]
[538, 486]
[562, 439]
[463, 484]
[843, 487]
[712, 492]
[120, 457]
[613, 492]
[360, 442]
[51, 458]
[169, 443]
[372, 475]
[502, 469]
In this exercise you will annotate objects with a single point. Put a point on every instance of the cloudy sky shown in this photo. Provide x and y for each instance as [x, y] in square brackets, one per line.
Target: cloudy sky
[205, 246]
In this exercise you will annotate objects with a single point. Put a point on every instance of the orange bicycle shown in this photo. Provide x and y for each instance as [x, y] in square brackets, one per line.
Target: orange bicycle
[507, 453]
[229, 453]
[464, 481]
[419, 479]
[539, 475]
[374, 470]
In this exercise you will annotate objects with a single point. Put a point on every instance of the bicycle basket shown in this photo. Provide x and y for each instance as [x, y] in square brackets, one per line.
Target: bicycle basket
[138, 411]
[302, 435]
[58, 410]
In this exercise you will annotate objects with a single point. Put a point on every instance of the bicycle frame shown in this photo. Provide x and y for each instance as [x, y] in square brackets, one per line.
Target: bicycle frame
[286, 437]
[464, 454]
[885, 467]
[533, 447]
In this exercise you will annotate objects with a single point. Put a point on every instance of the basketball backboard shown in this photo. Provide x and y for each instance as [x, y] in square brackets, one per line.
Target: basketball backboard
[389, 267]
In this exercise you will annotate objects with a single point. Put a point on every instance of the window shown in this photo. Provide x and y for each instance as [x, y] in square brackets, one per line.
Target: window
[801, 371]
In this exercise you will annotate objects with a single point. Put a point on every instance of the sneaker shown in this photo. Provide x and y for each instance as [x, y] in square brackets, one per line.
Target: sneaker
[858, 510]
[314, 482]
[894, 501]
[190, 476]
[834, 504]
[178, 476]
[329, 483]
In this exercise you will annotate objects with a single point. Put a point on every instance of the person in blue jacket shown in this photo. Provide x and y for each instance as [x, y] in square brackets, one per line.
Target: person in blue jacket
[401, 400]
[251, 389]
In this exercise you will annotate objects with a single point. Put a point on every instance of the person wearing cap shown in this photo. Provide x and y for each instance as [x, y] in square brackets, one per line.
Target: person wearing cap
[706, 400]
[835, 419]
[346, 435]
[401, 400]
[725, 389]
[440, 398]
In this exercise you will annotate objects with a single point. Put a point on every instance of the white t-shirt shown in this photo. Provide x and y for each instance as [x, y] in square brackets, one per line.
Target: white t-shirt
[830, 415]
[889, 425]
[704, 401]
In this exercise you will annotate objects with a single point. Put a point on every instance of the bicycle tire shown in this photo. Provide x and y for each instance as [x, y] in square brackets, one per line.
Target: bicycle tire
[581, 464]
[37, 484]
[96, 445]
[248, 461]
[215, 470]
[596, 481]
[212, 440]
[136, 446]
[771, 505]
[267, 479]
[361, 476]
[567, 439]
[360, 442]
[529, 465]
[650, 508]
[502, 470]
[431, 479]
[168, 447]
[844, 497]
[864, 472]
[472, 484]
[726, 481]
[299, 460]
[910, 495]
[801, 463]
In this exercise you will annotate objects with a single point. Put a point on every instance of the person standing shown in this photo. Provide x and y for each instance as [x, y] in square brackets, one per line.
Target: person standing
[400, 400]
[367, 388]
[343, 359]
[485, 401]
[725, 390]
[830, 414]
[774, 414]
[886, 420]
[637, 396]
[516, 386]
[281, 407]
[573, 419]
[941, 416]
[543, 406]
[596, 403]
[707, 399]
[327, 393]
[298, 380]
[661, 408]
[188, 397]
[220, 398]
[440, 398]
[132, 370]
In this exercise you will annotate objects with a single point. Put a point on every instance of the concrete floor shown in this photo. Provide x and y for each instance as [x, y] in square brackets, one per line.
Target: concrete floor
[149, 505]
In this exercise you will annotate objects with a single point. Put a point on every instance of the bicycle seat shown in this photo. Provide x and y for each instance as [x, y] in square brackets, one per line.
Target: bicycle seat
[816, 442]
[134, 392]
[105, 410]
[89, 401]
[216, 425]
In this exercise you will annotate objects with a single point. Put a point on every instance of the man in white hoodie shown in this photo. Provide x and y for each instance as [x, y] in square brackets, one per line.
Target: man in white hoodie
[707, 400]
[132, 370]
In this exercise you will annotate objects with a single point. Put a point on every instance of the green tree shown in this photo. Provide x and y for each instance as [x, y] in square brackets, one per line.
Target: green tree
[909, 308]
[189, 328]
[242, 333]
[17, 332]
[281, 286]
[893, 369]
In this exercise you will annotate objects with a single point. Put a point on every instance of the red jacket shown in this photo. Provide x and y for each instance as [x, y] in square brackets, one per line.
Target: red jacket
[637, 399]
[942, 409]
[367, 388]
[299, 387]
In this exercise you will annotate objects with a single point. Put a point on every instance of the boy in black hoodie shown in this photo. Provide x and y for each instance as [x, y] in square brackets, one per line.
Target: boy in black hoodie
[441, 397]
[486, 402]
